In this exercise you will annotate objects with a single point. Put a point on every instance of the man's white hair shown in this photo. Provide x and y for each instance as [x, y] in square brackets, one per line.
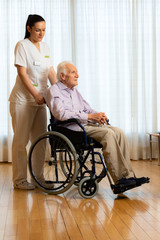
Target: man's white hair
[61, 68]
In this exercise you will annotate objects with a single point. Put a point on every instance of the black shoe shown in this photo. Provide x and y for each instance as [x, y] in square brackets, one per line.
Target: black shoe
[140, 181]
[126, 182]
[123, 185]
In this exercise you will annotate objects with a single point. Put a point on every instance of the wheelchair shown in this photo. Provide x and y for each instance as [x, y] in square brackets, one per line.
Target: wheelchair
[69, 159]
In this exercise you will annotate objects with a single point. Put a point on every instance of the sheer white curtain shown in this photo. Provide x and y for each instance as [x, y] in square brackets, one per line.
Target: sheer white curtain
[115, 45]
[145, 99]
[117, 52]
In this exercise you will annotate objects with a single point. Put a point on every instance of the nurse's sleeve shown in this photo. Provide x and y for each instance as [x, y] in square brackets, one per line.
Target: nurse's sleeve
[20, 55]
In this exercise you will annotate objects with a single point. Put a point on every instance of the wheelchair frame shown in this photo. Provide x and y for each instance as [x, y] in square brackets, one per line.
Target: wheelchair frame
[67, 162]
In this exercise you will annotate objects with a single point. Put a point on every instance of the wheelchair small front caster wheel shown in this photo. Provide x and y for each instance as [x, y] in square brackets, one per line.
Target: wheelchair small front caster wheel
[88, 187]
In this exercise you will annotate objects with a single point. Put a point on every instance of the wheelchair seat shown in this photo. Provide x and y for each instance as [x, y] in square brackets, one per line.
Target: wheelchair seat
[76, 137]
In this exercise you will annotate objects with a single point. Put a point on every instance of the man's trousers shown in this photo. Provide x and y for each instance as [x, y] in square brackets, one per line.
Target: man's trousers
[115, 149]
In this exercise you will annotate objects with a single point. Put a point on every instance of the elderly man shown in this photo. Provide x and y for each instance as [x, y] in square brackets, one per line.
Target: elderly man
[65, 102]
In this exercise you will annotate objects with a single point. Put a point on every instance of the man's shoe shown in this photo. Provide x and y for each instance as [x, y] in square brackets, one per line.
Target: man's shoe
[126, 182]
[24, 186]
[140, 181]
[123, 185]
[43, 183]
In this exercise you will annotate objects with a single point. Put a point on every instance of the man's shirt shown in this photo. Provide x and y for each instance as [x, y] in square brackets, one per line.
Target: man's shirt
[65, 103]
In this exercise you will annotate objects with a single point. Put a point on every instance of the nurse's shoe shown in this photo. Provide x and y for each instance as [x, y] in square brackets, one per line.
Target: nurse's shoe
[24, 186]
[44, 183]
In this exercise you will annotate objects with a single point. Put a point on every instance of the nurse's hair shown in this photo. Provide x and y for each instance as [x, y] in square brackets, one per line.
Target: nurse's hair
[32, 19]
[62, 68]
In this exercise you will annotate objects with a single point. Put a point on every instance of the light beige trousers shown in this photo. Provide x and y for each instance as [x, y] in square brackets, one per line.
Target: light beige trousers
[115, 150]
[28, 123]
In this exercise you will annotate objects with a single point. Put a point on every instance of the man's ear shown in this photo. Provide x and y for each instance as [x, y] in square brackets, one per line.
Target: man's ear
[62, 75]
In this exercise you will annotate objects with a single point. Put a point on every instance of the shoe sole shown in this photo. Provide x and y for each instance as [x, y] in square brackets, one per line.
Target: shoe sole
[24, 188]
[21, 188]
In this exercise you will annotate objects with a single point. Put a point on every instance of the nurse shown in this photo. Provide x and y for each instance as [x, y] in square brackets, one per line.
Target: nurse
[27, 108]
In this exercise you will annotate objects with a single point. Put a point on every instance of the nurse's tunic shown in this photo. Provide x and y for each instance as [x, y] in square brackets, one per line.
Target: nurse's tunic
[37, 64]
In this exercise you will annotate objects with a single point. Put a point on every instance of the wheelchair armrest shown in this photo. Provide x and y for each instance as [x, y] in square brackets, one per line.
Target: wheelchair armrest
[78, 122]
[71, 120]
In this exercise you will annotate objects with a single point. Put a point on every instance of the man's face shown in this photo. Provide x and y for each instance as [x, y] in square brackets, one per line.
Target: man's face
[70, 79]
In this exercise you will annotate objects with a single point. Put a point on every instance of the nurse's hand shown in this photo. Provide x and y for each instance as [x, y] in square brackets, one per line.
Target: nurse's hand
[39, 99]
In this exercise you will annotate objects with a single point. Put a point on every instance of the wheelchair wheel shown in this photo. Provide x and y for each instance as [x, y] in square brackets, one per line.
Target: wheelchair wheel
[88, 187]
[45, 163]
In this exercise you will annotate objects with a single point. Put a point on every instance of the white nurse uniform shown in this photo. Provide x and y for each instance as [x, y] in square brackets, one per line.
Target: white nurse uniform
[28, 118]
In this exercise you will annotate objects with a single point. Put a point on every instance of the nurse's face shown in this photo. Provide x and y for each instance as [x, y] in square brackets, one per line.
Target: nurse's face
[37, 31]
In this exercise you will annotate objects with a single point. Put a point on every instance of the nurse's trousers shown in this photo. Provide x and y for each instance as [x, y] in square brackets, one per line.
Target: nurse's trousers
[115, 150]
[28, 123]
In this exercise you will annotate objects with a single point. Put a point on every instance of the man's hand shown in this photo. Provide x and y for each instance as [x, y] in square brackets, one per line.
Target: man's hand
[98, 117]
